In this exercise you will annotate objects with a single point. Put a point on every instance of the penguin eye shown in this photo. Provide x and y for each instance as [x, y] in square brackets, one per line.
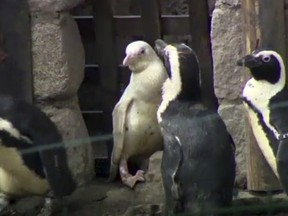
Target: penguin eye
[266, 58]
[142, 51]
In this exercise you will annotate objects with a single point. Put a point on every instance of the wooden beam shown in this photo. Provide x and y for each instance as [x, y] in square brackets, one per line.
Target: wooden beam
[199, 30]
[106, 50]
[15, 41]
[170, 25]
[150, 16]
[272, 25]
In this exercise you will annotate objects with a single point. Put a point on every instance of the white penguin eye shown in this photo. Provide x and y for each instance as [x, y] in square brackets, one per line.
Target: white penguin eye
[266, 58]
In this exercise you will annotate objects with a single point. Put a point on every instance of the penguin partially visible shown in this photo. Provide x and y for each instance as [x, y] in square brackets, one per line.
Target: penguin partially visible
[30, 164]
[136, 133]
[198, 164]
[266, 101]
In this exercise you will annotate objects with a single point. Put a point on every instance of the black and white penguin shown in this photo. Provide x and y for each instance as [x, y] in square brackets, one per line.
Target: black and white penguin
[198, 165]
[136, 133]
[33, 159]
[265, 97]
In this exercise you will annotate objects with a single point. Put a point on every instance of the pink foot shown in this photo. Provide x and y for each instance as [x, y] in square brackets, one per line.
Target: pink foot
[130, 181]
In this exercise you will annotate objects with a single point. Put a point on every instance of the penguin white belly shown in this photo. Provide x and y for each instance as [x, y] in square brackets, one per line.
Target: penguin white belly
[142, 135]
[262, 140]
[15, 178]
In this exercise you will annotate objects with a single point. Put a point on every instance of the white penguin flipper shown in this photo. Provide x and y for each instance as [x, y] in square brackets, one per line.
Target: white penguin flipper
[119, 117]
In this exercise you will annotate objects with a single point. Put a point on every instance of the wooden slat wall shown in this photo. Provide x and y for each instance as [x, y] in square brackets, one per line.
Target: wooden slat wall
[106, 49]
[150, 15]
[200, 32]
[15, 40]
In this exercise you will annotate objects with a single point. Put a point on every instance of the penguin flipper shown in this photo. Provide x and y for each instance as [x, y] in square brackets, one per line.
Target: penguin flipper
[119, 118]
[172, 161]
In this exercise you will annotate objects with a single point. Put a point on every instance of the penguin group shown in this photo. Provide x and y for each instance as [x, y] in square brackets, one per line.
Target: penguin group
[161, 109]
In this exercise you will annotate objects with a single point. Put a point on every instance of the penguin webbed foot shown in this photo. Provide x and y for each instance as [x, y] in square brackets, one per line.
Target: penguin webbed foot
[127, 178]
[131, 181]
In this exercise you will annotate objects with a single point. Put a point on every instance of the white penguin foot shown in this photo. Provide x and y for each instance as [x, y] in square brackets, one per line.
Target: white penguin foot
[130, 181]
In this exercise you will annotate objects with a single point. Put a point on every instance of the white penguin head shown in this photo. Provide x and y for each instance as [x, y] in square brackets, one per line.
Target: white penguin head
[139, 55]
[265, 65]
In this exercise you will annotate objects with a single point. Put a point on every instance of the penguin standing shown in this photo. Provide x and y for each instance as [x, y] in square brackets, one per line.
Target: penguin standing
[29, 162]
[198, 164]
[136, 133]
[265, 97]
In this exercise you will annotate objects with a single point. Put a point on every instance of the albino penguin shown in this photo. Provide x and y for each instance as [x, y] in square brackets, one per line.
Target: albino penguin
[136, 133]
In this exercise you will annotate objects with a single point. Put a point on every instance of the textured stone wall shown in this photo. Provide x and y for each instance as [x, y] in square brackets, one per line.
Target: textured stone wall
[58, 70]
[227, 46]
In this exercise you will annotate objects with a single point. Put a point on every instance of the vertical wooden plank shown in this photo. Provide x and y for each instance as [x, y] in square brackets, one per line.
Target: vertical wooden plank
[260, 176]
[199, 28]
[272, 25]
[107, 59]
[150, 17]
[15, 41]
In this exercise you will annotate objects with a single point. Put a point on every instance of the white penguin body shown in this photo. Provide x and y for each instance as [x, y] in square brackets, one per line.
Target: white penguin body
[136, 133]
[141, 120]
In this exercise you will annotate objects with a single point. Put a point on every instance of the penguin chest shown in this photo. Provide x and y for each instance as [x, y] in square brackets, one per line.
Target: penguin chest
[262, 138]
[142, 132]
[15, 178]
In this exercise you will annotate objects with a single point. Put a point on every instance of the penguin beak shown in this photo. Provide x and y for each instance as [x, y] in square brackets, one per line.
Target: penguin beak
[160, 46]
[249, 61]
[129, 59]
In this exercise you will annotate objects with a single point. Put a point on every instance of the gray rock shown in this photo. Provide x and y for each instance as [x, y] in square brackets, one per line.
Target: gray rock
[53, 5]
[234, 118]
[58, 57]
[72, 127]
[227, 48]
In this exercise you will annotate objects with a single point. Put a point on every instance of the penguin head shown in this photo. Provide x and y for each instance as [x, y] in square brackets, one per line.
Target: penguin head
[265, 65]
[139, 55]
[182, 68]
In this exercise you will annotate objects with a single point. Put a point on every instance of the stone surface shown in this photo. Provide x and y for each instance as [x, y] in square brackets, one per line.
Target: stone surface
[149, 193]
[234, 118]
[53, 5]
[67, 116]
[58, 56]
[227, 48]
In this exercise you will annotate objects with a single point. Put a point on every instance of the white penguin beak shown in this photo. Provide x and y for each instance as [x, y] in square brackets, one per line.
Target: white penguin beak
[130, 58]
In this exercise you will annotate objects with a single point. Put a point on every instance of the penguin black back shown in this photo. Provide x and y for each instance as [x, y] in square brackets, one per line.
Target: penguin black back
[198, 164]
